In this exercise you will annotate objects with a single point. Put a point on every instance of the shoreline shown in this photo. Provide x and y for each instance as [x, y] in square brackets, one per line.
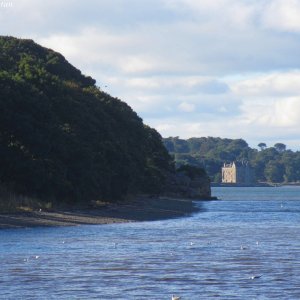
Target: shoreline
[138, 210]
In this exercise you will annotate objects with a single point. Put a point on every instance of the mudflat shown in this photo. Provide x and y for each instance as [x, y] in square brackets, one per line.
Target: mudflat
[140, 209]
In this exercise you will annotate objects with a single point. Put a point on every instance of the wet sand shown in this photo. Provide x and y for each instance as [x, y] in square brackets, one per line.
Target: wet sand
[141, 209]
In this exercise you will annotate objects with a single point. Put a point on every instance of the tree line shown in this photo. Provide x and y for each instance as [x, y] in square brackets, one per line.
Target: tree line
[274, 164]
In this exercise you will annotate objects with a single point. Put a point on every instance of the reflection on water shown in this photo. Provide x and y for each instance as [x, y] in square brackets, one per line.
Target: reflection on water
[246, 246]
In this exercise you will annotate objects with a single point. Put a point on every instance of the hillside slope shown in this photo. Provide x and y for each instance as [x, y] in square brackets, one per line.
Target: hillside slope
[63, 138]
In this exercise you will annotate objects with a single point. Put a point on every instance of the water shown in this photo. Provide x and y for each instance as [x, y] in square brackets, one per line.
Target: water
[211, 255]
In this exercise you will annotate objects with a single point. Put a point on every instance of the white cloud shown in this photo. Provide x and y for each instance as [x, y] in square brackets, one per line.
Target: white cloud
[186, 107]
[223, 109]
[208, 42]
[283, 15]
[175, 85]
[270, 100]
[231, 13]
[269, 85]
[93, 46]
[232, 128]
[138, 64]
[165, 127]
[283, 113]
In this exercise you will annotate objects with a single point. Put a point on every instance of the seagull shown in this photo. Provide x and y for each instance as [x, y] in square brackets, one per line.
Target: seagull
[175, 297]
[255, 277]
[243, 247]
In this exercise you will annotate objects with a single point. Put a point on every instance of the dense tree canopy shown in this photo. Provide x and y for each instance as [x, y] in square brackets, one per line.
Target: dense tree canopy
[61, 137]
[274, 164]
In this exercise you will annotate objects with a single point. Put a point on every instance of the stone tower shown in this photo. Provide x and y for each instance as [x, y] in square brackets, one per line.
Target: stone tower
[238, 173]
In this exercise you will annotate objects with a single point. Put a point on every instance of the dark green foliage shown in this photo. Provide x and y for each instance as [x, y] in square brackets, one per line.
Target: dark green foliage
[191, 171]
[274, 171]
[262, 146]
[274, 164]
[158, 161]
[280, 147]
[207, 152]
[63, 138]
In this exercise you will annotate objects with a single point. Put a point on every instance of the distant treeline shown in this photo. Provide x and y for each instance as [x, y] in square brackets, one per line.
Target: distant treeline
[272, 164]
[63, 138]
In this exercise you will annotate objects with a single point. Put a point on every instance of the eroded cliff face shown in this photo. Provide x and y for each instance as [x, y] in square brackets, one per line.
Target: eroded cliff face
[182, 186]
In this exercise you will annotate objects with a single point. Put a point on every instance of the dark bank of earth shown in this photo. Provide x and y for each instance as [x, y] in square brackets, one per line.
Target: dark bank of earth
[142, 209]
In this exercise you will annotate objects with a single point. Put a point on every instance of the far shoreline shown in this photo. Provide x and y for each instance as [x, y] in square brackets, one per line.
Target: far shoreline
[141, 209]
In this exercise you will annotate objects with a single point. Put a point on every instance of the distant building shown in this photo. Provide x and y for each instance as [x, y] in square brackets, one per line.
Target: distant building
[238, 173]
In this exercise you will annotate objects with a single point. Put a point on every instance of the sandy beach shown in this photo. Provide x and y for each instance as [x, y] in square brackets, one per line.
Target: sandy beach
[141, 209]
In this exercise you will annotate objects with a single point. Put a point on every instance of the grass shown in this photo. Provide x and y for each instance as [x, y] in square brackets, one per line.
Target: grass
[11, 202]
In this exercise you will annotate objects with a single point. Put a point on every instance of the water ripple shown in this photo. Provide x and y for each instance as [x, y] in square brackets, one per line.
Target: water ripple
[238, 248]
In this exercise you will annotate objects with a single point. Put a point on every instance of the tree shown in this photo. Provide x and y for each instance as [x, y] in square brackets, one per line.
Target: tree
[211, 153]
[262, 146]
[192, 171]
[274, 171]
[280, 147]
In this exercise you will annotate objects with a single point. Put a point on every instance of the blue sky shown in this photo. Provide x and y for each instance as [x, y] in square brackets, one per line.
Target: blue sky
[190, 68]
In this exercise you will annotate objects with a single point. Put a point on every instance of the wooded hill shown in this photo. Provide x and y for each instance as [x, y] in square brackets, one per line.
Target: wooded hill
[63, 138]
[272, 164]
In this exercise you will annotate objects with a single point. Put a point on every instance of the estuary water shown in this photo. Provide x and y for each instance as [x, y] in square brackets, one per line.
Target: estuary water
[245, 246]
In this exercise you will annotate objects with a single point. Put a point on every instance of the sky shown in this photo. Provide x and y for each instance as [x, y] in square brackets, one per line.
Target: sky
[189, 68]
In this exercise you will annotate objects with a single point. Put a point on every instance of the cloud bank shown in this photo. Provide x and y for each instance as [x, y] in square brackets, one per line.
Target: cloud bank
[224, 68]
